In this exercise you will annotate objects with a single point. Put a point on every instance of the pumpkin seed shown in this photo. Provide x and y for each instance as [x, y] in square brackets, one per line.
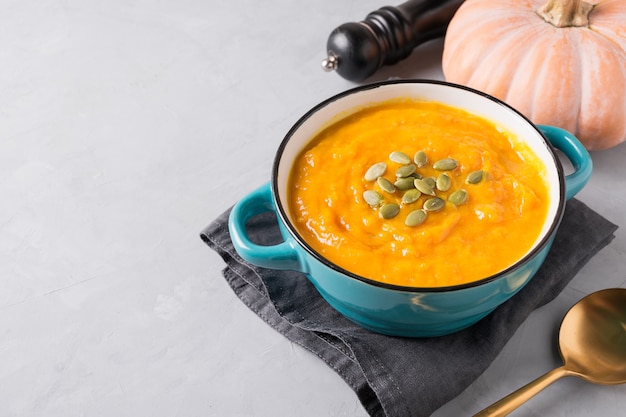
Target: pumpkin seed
[405, 170]
[445, 164]
[416, 217]
[443, 182]
[423, 186]
[404, 184]
[386, 185]
[389, 210]
[432, 181]
[373, 198]
[475, 177]
[400, 157]
[434, 204]
[375, 171]
[458, 197]
[420, 159]
[411, 196]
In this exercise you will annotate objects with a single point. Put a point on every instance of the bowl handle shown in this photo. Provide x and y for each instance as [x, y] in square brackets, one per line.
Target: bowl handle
[577, 155]
[281, 256]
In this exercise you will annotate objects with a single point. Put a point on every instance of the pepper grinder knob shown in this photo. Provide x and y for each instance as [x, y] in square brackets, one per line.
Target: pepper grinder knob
[357, 50]
[330, 63]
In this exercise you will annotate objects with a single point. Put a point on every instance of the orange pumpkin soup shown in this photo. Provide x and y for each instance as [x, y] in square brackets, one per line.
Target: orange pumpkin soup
[418, 194]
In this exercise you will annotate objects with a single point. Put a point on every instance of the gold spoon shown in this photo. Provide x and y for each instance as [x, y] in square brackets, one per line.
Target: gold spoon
[592, 342]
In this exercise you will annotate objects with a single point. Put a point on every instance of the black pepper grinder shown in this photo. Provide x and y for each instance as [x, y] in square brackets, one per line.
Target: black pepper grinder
[357, 50]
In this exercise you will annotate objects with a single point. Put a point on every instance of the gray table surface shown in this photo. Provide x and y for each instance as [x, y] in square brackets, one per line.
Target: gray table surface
[128, 125]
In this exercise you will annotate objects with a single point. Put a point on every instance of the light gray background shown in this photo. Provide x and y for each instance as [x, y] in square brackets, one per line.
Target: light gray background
[126, 127]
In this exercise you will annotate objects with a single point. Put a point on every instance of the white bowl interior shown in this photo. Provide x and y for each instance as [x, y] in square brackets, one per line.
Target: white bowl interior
[496, 112]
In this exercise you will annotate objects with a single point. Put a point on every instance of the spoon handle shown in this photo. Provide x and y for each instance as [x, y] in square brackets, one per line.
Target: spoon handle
[512, 401]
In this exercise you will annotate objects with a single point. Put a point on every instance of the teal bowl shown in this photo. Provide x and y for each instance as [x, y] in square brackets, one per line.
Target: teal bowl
[392, 309]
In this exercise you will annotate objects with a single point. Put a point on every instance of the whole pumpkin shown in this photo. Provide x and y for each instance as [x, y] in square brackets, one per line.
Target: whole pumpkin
[561, 63]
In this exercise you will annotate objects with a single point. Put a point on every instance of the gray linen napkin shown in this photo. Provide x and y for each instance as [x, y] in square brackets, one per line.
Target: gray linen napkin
[394, 376]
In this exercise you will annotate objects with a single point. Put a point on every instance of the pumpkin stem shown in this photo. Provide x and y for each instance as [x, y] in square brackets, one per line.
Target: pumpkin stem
[566, 13]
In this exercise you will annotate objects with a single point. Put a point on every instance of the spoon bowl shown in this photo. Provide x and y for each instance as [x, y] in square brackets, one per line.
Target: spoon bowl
[592, 337]
[592, 343]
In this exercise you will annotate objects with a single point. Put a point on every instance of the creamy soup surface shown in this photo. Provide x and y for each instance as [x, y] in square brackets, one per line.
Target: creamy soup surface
[343, 205]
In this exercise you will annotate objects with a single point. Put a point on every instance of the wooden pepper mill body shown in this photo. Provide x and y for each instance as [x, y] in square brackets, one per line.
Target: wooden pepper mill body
[357, 50]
